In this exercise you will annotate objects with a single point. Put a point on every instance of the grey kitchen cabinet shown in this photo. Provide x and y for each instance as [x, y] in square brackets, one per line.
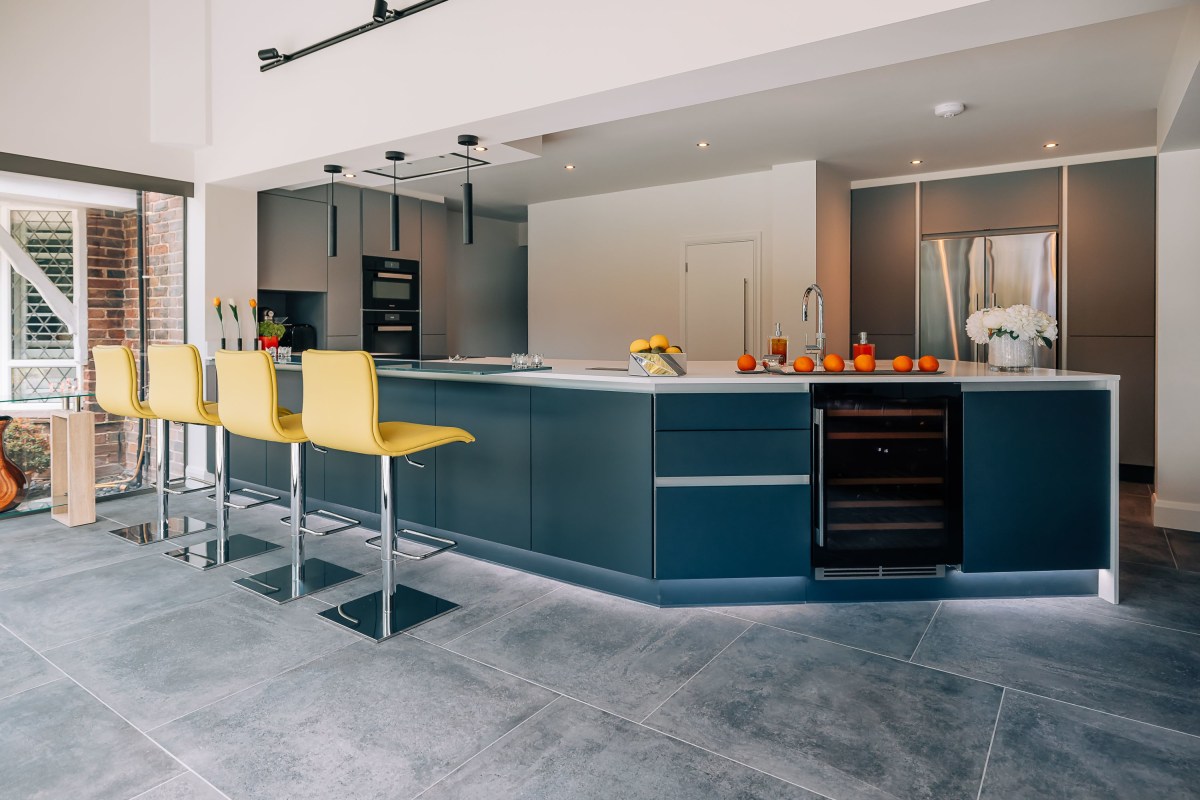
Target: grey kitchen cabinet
[343, 304]
[1132, 357]
[291, 244]
[433, 273]
[1025, 199]
[377, 226]
[883, 266]
[1110, 248]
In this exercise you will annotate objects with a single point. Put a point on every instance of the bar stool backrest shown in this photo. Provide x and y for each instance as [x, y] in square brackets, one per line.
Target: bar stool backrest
[250, 395]
[341, 401]
[177, 384]
[116, 382]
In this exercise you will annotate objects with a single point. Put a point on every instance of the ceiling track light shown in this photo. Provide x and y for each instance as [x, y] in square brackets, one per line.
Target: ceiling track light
[331, 213]
[394, 201]
[380, 15]
[468, 212]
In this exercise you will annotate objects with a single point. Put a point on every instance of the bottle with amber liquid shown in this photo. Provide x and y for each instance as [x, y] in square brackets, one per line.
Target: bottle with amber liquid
[779, 344]
[862, 347]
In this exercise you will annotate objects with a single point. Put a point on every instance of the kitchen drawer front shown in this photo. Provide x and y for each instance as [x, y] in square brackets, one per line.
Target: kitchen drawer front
[733, 532]
[696, 453]
[733, 412]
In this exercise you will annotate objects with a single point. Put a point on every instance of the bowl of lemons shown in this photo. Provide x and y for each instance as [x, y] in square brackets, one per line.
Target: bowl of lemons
[656, 357]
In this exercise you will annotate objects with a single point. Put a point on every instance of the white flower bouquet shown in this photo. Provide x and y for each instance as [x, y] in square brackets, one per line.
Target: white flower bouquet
[1020, 322]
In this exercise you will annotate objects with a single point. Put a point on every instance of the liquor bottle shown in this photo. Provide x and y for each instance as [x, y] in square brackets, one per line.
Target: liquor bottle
[863, 347]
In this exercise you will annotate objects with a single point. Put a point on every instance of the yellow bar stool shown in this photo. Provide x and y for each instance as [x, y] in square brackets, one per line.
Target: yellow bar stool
[177, 387]
[117, 393]
[341, 412]
[249, 399]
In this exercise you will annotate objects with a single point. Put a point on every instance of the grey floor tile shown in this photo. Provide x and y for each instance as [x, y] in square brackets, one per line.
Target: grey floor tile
[1048, 749]
[346, 549]
[169, 665]
[66, 608]
[57, 741]
[1134, 508]
[1145, 544]
[571, 750]
[482, 590]
[37, 548]
[892, 629]
[368, 721]
[1153, 595]
[21, 668]
[1137, 671]
[838, 721]
[1186, 547]
[186, 787]
[622, 656]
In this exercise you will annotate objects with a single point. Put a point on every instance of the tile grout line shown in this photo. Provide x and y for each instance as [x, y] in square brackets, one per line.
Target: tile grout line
[991, 743]
[61, 676]
[1170, 548]
[159, 786]
[697, 672]
[1105, 713]
[498, 739]
[148, 738]
[502, 616]
[1113, 617]
[927, 627]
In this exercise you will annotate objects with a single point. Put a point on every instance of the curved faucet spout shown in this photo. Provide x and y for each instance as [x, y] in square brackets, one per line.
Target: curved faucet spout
[820, 347]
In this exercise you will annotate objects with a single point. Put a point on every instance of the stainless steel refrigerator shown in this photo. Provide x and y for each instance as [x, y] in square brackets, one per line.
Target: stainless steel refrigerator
[961, 275]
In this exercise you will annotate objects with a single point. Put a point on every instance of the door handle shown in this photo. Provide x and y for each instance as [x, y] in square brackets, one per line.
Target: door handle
[394, 328]
[745, 301]
[819, 436]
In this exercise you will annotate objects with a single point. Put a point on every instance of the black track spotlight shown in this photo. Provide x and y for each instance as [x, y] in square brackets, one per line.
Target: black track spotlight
[394, 201]
[269, 54]
[380, 14]
[468, 197]
[331, 213]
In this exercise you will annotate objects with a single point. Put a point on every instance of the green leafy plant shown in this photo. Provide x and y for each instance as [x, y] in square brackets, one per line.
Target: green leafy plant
[27, 445]
[266, 328]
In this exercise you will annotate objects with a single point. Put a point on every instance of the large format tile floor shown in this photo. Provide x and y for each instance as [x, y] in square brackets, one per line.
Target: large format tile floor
[124, 675]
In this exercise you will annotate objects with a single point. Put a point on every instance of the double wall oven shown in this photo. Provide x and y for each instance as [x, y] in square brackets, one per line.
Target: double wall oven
[391, 307]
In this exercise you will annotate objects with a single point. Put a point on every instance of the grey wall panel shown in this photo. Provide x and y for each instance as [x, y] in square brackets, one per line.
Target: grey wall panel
[291, 244]
[883, 266]
[433, 268]
[487, 289]
[1131, 357]
[1026, 199]
[376, 226]
[1111, 248]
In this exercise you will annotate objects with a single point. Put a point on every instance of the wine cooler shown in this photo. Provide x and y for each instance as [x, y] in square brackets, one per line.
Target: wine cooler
[887, 467]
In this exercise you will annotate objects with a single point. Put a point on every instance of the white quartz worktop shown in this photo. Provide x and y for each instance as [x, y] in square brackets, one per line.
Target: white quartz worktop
[722, 376]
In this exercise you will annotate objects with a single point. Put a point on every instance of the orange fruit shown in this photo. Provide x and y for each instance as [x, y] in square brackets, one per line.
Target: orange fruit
[902, 364]
[834, 363]
[746, 363]
[864, 363]
[804, 364]
[928, 364]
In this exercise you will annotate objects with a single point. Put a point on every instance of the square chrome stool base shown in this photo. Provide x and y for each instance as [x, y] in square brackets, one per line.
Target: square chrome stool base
[410, 608]
[204, 556]
[148, 533]
[276, 584]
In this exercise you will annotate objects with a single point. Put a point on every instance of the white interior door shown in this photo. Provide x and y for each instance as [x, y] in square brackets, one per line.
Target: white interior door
[718, 310]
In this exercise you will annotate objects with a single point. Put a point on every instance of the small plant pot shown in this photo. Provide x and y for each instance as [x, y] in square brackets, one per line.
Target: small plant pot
[267, 342]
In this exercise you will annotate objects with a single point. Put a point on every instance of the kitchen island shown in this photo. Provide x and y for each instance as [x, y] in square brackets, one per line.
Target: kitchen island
[696, 489]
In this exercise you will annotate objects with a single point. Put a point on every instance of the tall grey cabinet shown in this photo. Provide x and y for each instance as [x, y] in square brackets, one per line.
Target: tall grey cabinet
[883, 276]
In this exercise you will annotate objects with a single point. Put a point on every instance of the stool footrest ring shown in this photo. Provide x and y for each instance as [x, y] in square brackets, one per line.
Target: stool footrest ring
[447, 544]
[340, 523]
[187, 486]
[254, 499]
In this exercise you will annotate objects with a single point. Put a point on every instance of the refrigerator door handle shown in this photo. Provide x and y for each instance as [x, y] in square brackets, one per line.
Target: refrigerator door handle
[819, 440]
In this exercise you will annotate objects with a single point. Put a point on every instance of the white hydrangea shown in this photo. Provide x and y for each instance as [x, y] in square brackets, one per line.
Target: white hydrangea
[1022, 322]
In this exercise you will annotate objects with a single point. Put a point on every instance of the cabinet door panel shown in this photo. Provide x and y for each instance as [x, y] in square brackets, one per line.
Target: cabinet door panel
[344, 302]
[1026, 199]
[1036, 481]
[883, 260]
[377, 226]
[693, 453]
[291, 244]
[407, 400]
[1132, 357]
[483, 487]
[724, 411]
[592, 478]
[720, 532]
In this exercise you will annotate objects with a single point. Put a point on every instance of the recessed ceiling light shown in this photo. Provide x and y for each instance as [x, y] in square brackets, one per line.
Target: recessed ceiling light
[480, 148]
[701, 144]
[349, 175]
[915, 161]
[568, 166]
[1050, 145]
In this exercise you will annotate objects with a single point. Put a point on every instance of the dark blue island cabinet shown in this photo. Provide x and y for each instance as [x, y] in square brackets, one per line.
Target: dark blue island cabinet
[1036, 481]
[732, 485]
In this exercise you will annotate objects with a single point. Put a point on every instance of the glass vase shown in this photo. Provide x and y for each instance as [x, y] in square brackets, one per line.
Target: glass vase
[1006, 354]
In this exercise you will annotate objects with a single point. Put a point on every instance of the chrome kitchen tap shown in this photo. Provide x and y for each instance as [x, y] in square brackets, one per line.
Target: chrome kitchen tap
[817, 351]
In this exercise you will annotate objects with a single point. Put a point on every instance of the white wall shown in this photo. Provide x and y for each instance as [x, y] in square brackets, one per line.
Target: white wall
[607, 269]
[1177, 458]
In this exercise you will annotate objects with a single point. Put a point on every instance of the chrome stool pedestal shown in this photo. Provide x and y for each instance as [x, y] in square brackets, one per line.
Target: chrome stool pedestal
[165, 526]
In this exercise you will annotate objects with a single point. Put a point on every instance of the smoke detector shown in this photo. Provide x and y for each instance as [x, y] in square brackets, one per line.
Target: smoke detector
[947, 110]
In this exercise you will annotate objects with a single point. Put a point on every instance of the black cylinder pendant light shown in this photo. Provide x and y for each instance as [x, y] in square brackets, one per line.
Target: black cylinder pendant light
[394, 201]
[331, 213]
[468, 199]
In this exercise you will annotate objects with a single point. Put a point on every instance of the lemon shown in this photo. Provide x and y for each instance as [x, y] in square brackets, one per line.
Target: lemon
[639, 346]
[673, 349]
[658, 340]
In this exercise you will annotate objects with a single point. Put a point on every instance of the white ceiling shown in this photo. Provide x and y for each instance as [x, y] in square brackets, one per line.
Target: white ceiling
[1093, 89]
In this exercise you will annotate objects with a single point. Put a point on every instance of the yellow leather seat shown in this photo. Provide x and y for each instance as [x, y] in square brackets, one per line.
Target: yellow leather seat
[341, 409]
[251, 409]
[177, 385]
[117, 383]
